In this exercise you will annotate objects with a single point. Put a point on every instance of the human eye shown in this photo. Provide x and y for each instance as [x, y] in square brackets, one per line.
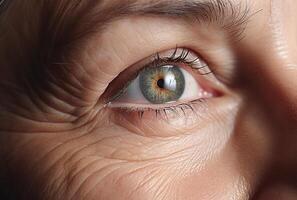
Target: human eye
[164, 81]
[167, 86]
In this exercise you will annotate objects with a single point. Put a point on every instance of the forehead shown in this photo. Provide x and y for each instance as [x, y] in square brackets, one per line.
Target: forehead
[98, 12]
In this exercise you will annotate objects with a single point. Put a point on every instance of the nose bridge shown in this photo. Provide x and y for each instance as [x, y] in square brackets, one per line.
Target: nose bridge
[272, 85]
[283, 66]
[267, 61]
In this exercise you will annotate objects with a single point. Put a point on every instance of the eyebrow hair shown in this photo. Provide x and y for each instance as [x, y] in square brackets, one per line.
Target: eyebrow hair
[81, 18]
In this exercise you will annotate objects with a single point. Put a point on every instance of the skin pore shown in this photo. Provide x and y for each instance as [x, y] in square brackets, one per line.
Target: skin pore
[62, 62]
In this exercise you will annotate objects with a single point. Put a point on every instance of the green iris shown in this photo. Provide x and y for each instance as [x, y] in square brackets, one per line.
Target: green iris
[163, 84]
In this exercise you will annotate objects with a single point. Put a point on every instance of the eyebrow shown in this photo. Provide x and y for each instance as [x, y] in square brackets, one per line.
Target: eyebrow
[89, 19]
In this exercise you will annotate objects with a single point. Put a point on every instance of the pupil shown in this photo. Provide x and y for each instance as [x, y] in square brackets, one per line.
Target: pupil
[161, 83]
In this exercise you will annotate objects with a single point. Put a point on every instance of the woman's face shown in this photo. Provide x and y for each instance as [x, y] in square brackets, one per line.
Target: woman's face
[147, 100]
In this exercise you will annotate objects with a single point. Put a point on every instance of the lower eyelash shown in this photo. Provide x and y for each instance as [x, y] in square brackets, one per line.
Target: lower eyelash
[178, 110]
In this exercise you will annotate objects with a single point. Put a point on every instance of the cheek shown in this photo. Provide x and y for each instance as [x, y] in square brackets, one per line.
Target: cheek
[188, 166]
[109, 161]
[221, 179]
[237, 170]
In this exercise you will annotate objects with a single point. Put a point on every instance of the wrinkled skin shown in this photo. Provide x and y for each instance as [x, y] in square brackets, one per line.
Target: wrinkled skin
[242, 146]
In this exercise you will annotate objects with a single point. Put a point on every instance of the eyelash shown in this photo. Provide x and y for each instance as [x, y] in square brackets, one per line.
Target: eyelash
[182, 58]
[176, 109]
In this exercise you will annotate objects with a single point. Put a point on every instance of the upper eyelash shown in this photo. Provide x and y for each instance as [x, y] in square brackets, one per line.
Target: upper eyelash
[182, 58]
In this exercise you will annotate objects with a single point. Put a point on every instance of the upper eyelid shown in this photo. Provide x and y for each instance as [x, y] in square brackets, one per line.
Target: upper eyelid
[179, 54]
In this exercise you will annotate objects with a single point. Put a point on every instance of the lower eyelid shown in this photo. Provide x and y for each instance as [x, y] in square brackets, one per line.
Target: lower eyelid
[130, 107]
[167, 121]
